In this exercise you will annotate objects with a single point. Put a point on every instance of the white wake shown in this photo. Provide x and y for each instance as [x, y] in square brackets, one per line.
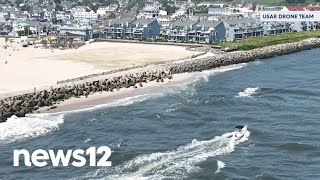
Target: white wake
[248, 92]
[176, 164]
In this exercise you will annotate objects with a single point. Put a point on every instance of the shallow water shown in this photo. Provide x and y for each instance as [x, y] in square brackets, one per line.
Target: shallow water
[175, 132]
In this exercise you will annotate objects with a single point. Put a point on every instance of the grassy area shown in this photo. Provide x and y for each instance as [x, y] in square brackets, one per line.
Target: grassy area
[252, 43]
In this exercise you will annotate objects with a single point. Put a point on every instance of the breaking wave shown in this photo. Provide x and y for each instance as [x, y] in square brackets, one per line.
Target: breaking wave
[176, 164]
[248, 92]
[31, 126]
[207, 73]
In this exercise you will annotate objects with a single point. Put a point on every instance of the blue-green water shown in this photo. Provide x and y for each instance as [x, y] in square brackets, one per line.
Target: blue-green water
[175, 132]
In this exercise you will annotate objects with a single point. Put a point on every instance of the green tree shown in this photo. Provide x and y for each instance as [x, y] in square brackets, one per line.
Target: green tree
[26, 30]
[50, 41]
[11, 41]
[44, 42]
[86, 2]
[112, 16]
[6, 39]
[58, 7]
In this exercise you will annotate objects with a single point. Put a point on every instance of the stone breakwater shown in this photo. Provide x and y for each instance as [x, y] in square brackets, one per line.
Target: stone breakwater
[126, 69]
[243, 56]
[20, 105]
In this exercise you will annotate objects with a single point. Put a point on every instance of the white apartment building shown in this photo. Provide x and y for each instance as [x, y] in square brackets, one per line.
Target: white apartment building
[107, 10]
[62, 16]
[81, 13]
[150, 12]
[164, 21]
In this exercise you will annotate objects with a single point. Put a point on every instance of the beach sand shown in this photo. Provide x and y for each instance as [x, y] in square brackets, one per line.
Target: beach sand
[110, 55]
[30, 67]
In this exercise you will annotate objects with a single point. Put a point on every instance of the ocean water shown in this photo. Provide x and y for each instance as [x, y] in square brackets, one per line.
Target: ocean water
[175, 132]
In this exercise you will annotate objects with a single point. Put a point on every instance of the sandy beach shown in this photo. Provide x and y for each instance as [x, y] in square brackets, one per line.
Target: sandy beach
[28, 68]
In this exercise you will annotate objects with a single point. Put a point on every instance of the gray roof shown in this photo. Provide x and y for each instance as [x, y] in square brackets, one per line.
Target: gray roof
[164, 16]
[131, 22]
[241, 21]
[37, 23]
[121, 21]
[143, 21]
[207, 24]
[75, 28]
[183, 23]
[219, 10]
[272, 9]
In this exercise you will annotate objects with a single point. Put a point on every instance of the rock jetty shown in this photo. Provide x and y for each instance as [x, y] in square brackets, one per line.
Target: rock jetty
[20, 105]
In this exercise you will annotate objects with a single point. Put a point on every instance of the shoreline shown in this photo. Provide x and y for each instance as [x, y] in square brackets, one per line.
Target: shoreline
[125, 81]
[103, 97]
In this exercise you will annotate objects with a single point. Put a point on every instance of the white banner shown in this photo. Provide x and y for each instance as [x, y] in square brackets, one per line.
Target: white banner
[289, 15]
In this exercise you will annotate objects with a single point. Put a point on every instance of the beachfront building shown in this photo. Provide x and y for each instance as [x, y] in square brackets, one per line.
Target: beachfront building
[143, 29]
[207, 32]
[196, 31]
[178, 30]
[164, 21]
[83, 33]
[129, 28]
[274, 28]
[20, 28]
[117, 27]
[243, 28]
[302, 25]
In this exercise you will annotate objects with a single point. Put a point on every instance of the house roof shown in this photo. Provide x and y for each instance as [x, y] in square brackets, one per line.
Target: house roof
[75, 28]
[143, 21]
[23, 24]
[242, 22]
[219, 10]
[315, 8]
[164, 16]
[122, 20]
[183, 23]
[206, 25]
[75, 33]
[272, 9]
[295, 8]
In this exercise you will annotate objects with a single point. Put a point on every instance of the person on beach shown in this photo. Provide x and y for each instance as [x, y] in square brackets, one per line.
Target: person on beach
[6, 62]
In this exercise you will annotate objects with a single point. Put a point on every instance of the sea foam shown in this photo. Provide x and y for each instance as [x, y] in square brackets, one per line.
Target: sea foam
[207, 73]
[248, 92]
[31, 126]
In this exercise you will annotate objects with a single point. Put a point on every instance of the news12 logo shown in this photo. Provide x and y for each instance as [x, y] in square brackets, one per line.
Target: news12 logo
[40, 157]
